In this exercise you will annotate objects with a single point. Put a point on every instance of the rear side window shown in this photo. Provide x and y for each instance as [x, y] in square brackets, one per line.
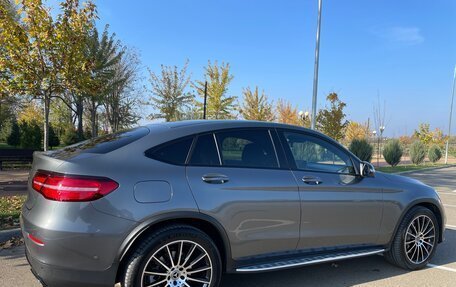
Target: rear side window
[247, 148]
[174, 152]
[102, 144]
[205, 152]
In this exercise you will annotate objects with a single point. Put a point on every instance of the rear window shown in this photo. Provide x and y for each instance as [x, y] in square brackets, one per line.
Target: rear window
[102, 144]
[205, 152]
[174, 152]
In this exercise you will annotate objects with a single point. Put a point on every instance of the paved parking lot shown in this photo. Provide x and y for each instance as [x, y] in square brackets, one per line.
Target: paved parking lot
[368, 271]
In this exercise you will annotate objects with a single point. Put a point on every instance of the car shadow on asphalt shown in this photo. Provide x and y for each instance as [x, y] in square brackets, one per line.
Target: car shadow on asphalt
[340, 273]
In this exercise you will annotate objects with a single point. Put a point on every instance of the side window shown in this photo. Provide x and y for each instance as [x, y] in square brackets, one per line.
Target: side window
[174, 152]
[312, 153]
[247, 148]
[205, 152]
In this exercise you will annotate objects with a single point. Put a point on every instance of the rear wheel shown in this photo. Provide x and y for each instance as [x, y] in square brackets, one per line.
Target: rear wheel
[415, 241]
[176, 256]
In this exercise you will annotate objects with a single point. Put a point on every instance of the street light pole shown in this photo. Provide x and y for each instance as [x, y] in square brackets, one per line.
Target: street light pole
[451, 113]
[382, 129]
[315, 81]
[375, 133]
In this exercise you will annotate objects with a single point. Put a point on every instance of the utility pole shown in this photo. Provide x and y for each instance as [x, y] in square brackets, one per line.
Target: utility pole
[451, 113]
[205, 100]
[315, 81]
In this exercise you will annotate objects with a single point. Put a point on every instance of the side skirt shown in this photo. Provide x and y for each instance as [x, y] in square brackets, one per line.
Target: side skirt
[298, 261]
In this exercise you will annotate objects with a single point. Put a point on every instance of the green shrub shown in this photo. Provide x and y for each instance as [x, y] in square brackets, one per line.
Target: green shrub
[31, 135]
[434, 153]
[362, 149]
[14, 138]
[70, 136]
[417, 152]
[392, 152]
[53, 138]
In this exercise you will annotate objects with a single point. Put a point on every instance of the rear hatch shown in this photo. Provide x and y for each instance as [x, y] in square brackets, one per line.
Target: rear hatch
[53, 161]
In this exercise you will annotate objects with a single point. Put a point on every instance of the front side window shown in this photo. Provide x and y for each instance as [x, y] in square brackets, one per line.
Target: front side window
[314, 154]
[247, 148]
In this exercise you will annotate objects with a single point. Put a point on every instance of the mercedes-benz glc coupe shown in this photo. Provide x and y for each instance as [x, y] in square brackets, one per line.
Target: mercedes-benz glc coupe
[178, 204]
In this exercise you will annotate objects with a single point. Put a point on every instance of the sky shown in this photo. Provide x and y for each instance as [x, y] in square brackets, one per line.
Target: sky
[401, 52]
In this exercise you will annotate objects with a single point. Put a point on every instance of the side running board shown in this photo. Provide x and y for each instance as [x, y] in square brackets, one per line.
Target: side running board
[309, 260]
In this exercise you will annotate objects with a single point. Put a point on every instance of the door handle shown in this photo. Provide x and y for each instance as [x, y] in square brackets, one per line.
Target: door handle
[215, 178]
[311, 179]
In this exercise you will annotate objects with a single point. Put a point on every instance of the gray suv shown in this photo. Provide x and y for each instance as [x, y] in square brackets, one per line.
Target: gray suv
[178, 204]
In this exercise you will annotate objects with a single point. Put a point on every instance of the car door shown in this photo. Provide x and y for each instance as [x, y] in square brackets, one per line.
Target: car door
[338, 207]
[236, 178]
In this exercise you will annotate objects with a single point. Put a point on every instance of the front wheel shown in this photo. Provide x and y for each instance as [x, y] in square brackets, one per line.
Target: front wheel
[415, 241]
[176, 256]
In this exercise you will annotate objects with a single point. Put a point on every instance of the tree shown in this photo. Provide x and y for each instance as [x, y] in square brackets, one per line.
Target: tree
[104, 52]
[417, 152]
[31, 112]
[8, 109]
[53, 138]
[434, 153]
[219, 104]
[169, 95]
[70, 136]
[379, 115]
[14, 138]
[362, 149]
[356, 131]
[30, 135]
[39, 55]
[120, 102]
[331, 121]
[427, 137]
[286, 113]
[256, 107]
[392, 152]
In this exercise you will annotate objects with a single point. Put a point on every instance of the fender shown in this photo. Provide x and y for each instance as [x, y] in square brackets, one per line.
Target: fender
[415, 203]
[156, 219]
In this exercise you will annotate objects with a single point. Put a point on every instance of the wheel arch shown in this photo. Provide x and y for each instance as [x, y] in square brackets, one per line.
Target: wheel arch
[205, 223]
[429, 204]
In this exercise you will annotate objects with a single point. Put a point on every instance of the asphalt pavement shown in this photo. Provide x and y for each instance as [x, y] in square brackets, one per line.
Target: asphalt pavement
[367, 271]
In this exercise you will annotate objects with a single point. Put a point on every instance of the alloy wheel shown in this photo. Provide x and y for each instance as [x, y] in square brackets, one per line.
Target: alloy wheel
[181, 263]
[419, 239]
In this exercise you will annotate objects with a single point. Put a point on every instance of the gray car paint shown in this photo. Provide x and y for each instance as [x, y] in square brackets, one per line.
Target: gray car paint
[257, 212]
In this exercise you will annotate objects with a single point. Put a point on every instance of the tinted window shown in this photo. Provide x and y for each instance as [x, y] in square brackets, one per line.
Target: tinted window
[174, 152]
[311, 153]
[102, 144]
[247, 148]
[205, 152]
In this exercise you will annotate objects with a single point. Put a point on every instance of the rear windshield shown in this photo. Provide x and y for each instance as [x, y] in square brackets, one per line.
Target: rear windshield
[102, 144]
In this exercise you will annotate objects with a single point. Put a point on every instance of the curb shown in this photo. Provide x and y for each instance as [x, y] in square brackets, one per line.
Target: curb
[425, 169]
[9, 233]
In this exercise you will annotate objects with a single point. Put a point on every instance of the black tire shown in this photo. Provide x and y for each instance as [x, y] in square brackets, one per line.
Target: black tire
[136, 263]
[396, 255]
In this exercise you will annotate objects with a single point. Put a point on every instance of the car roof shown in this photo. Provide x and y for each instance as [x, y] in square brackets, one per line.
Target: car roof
[222, 124]
[193, 126]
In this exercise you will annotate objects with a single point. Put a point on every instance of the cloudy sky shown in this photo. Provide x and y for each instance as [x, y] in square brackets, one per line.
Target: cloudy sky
[403, 52]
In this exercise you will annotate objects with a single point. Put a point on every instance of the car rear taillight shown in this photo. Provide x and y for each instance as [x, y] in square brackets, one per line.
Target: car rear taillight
[60, 187]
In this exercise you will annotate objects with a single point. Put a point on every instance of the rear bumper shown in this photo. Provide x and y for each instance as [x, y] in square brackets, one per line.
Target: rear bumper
[52, 276]
[77, 245]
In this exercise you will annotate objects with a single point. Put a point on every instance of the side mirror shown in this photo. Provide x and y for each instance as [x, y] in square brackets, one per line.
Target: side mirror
[366, 169]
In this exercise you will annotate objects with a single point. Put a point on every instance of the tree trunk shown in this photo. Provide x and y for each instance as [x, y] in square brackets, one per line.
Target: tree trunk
[79, 115]
[93, 116]
[47, 104]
